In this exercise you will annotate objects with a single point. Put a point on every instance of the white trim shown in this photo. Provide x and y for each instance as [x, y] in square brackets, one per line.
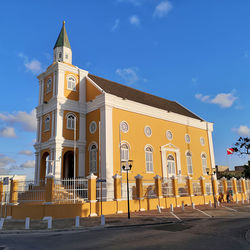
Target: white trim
[124, 142]
[148, 145]
[145, 152]
[76, 82]
[145, 129]
[92, 143]
[94, 84]
[75, 119]
[92, 132]
[171, 134]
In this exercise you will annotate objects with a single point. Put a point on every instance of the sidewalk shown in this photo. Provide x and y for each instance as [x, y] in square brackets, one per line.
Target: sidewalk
[121, 220]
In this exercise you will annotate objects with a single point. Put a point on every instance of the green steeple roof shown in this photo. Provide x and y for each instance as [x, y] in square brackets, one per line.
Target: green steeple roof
[62, 39]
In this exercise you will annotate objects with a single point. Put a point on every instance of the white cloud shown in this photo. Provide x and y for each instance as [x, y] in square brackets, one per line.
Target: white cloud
[243, 130]
[26, 152]
[5, 160]
[129, 75]
[28, 164]
[224, 100]
[8, 132]
[162, 9]
[26, 120]
[116, 24]
[33, 65]
[134, 20]
[134, 2]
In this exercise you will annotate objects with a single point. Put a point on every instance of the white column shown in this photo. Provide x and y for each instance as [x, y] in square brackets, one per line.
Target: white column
[59, 124]
[60, 83]
[210, 142]
[81, 162]
[82, 86]
[82, 128]
[54, 83]
[107, 147]
[37, 167]
[42, 91]
[53, 124]
[40, 128]
[57, 162]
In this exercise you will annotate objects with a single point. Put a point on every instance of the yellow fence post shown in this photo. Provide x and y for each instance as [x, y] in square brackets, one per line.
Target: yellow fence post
[203, 188]
[139, 191]
[92, 194]
[224, 183]
[158, 187]
[49, 189]
[243, 186]
[234, 184]
[190, 186]
[13, 191]
[1, 191]
[175, 186]
[117, 192]
[215, 186]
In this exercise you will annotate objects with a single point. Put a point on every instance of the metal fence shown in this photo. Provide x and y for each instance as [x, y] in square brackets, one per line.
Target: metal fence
[208, 187]
[104, 191]
[239, 187]
[29, 192]
[197, 187]
[167, 187]
[220, 187]
[132, 189]
[70, 190]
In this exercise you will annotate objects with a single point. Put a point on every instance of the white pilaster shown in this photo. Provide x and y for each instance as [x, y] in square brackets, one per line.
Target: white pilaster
[57, 162]
[81, 162]
[210, 142]
[82, 86]
[53, 124]
[60, 83]
[40, 128]
[59, 124]
[37, 167]
[54, 83]
[107, 146]
[82, 128]
[42, 91]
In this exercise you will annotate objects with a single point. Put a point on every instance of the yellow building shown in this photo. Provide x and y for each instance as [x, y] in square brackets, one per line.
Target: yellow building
[87, 124]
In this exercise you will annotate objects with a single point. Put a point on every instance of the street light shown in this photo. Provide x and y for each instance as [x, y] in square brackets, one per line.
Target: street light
[126, 166]
[212, 174]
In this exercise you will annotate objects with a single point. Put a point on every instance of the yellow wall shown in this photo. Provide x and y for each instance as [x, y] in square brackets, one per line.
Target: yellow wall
[91, 91]
[68, 134]
[46, 134]
[137, 141]
[70, 94]
[92, 116]
[48, 96]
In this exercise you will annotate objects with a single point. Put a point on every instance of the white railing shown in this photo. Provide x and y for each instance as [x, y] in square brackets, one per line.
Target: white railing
[196, 187]
[167, 187]
[132, 189]
[208, 187]
[29, 192]
[182, 186]
[104, 191]
[70, 190]
[149, 189]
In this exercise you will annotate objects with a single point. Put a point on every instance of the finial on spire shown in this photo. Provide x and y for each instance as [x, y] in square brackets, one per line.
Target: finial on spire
[63, 22]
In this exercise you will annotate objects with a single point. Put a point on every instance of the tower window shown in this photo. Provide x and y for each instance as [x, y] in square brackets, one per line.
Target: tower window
[71, 83]
[71, 121]
[47, 123]
[49, 85]
[93, 159]
[204, 163]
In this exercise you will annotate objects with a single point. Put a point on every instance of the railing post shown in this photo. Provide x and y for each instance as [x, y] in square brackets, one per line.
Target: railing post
[203, 188]
[117, 187]
[139, 187]
[158, 186]
[1, 191]
[215, 185]
[49, 188]
[190, 186]
[234, 184]
[13, 191]
[92, 194]
[175, 186]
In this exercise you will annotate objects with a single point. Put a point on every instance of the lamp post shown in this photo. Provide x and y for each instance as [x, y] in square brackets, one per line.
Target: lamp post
[212, 174]
[126, 166]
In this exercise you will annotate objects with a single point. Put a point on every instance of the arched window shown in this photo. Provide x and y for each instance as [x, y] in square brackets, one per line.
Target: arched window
[124, 152]
[71, 83]
[71, 121]
[149, 159]
[204, 163]
[189, 163]
[93, 159]
[47, 123]
[171, 165]
[49, 85]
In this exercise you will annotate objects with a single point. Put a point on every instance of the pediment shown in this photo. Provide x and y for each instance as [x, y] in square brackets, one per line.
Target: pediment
[169, 146]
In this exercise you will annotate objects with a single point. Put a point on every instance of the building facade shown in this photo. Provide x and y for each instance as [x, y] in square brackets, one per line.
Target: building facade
[87, 124]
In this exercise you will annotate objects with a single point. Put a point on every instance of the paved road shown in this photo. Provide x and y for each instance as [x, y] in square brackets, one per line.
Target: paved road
[215, 233]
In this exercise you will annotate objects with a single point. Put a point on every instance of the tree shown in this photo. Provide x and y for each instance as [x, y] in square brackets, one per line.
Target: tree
[242, 146]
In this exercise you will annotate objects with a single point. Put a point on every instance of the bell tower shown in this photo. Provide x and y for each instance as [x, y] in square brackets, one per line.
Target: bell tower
[62, 48]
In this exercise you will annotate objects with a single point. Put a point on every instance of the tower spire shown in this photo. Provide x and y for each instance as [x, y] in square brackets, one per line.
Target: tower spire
[62, 48]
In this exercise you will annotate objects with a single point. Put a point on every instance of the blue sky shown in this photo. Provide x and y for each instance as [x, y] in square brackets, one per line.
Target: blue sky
[195, 52]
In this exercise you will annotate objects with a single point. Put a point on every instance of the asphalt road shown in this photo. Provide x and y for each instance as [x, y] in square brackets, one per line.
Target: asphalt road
[215, 233]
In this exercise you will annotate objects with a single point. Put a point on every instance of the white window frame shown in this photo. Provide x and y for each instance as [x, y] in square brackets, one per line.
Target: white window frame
[204, 163]
[47, 123]
[93, 150]
[172, 167]
[72, 122]
[49, 87]
[189, 162]
[149, 159]
[69, 83]
[124, 152]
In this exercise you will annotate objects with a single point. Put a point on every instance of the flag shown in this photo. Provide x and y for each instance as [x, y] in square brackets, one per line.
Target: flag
[230, 151]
